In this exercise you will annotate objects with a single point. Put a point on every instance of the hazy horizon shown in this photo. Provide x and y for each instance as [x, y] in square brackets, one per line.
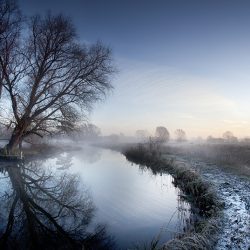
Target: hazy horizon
[181, 64]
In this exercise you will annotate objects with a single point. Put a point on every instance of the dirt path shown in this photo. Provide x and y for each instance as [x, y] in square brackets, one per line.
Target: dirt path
[235, 193]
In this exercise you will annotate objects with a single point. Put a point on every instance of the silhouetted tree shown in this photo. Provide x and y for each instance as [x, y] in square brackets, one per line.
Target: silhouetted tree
[49, 78]
[162, 134]
[229, 137]
[180, 135]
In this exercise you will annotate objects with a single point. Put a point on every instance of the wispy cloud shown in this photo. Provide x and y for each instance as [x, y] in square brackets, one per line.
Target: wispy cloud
[148, 95]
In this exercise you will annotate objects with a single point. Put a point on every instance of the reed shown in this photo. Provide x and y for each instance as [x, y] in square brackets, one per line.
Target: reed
[202, 235]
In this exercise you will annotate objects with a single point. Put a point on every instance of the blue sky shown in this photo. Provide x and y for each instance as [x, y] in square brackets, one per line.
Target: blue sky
[182, 64]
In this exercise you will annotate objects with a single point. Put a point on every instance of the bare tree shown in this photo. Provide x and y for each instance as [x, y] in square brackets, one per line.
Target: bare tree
[87, 131]
[49, 78]
[162, 134]
[10, 20]
[229, 137]
[180, 135]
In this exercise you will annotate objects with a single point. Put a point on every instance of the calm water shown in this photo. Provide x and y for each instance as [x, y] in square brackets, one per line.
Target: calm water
[91, 192]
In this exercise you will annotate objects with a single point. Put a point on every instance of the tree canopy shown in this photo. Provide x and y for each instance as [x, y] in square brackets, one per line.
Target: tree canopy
[162, 134]
[180, 135]
[48, 77]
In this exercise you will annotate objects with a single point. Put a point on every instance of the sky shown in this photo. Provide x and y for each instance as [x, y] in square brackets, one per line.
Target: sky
[181, 64]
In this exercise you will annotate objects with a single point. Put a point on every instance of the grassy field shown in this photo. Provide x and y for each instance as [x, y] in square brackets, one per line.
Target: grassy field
[234, 158]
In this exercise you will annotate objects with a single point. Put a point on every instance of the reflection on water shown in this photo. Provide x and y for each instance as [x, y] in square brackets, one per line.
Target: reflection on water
[61, 203]
[41, 209]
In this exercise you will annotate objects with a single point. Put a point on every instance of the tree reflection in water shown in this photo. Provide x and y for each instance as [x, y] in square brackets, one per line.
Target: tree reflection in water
[44, 210]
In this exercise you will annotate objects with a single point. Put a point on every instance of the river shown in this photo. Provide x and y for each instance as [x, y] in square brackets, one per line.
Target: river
[88, 190]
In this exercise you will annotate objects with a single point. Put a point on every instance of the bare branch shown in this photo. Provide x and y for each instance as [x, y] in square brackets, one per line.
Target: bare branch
[49, 77]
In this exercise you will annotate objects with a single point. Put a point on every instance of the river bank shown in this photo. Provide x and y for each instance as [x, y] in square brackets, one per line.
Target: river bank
[230, 191]
[204, 233]
[234, 192]
[222, 198]
[226, 167]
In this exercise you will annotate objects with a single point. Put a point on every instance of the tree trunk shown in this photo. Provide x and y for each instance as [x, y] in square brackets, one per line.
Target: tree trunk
[17, 136]
[15, 141]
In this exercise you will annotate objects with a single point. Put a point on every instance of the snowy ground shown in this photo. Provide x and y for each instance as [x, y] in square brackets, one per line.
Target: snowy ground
[234, 191]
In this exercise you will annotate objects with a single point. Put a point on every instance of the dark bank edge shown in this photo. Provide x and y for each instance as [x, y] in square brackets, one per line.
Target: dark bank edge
[203, 234]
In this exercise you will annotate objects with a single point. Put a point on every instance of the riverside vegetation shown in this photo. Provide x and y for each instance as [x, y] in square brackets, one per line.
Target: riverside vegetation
[202, 235]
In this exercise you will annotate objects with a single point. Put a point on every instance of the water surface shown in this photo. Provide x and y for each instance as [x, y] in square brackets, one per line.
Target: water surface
[134, 204]
[93, 188]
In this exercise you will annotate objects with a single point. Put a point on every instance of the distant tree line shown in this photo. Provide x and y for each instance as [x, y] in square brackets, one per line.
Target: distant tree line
[161, 135]
[227, 137]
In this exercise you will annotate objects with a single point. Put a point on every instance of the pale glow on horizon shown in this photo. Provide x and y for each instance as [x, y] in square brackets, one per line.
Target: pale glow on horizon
[182, 65]
[146, 96]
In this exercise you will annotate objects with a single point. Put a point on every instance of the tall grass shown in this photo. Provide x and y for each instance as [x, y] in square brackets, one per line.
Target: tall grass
[234, 158]
[153, 245]
[203, 233]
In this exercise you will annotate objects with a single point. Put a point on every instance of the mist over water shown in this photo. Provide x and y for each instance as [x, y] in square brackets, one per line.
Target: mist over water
[127, 200]
[134, 204]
